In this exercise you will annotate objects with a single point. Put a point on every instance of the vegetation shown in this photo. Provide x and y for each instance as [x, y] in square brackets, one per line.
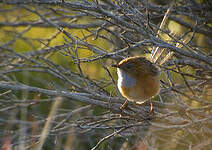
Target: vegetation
[58, 89]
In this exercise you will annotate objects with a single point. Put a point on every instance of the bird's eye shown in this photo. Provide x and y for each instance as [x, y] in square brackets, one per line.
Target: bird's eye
[128, 66]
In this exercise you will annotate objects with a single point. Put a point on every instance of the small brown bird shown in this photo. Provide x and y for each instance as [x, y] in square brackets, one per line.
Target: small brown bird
[138, 80]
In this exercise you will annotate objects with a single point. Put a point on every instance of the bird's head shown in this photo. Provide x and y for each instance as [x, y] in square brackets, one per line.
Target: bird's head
[135, 66]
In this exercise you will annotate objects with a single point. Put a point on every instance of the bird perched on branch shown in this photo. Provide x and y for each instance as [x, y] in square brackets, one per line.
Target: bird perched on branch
[138, 80]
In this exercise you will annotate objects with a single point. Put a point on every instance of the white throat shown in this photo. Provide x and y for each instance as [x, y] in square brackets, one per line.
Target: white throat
[124, 79]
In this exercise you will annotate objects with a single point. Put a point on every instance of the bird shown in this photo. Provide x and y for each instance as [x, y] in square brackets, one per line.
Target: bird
[138, 80]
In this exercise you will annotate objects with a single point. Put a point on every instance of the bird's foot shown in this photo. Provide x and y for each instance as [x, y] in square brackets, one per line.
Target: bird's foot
[124, 105]
[151, 112]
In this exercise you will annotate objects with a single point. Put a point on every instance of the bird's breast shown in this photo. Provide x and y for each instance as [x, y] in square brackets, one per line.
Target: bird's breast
[137, 89]
[125, 80]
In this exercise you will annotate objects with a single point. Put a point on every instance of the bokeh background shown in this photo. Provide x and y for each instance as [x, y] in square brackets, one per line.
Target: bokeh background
[58, 91]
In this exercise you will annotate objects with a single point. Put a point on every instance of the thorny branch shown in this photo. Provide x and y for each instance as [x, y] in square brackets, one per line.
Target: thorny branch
[31, 79]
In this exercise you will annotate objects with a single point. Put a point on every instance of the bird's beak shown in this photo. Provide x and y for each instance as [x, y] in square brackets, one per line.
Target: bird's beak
[116, 66]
